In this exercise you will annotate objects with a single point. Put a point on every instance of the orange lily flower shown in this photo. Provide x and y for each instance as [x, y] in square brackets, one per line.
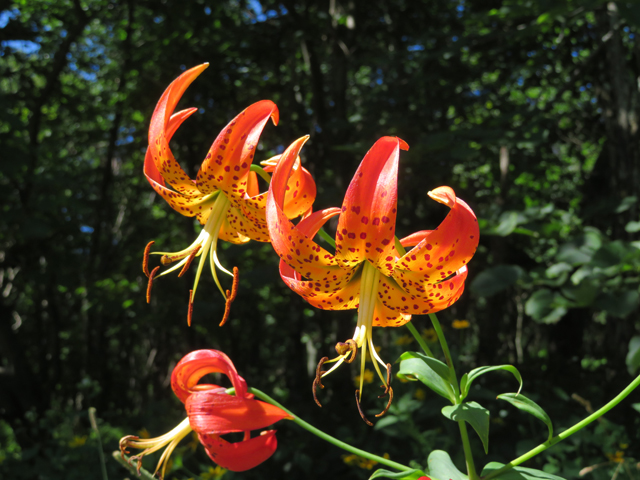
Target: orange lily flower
[225, 195]
[211, 413]
[371, 270]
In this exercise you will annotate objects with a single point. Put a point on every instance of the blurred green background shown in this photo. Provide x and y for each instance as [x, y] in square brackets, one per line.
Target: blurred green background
[528, 109]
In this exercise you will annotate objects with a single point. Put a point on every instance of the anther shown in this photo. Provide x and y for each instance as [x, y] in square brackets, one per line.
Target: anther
[192, 255]
[145, 258]
[190, 311]
[317, 382]
[231, 296]
[389, 390]
[150, 284]
[124, 443]
[166, 260]
[349, 346]
[360, 409]
[387, 386]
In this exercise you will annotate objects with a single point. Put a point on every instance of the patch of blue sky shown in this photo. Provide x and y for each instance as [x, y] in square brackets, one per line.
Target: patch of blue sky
[574, 53]
[7, 15]
[260, 15]
[207, 10]
[454, 38]
[86, 229]
[415, 48]
[25, 46]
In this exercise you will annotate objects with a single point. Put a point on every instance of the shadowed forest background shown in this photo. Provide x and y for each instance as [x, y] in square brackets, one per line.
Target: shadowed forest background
[528, 109]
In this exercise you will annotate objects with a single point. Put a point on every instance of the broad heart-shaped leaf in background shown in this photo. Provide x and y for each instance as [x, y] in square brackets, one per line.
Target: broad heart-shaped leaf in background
[467, 378]
[475, 415]
[518, 473]
[495, 279]
[406, 475]
[523, 403]
[442, 468]
[430, 371]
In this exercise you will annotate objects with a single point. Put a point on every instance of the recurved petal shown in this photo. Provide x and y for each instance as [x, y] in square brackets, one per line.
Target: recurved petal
[386, 317]
[240, 456]
[212, 411]
[447, 248]
[230, 234]
[366, 228]
[159, 133]
[195, 365]
[421, 298]
[301, 193]
[292, 245]
[253, 227]
[187, 205]
[227, 164]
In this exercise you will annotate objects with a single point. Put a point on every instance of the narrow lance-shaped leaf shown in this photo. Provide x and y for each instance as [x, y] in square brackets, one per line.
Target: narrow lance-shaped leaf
[523, 403]
[518, 473]
[468, 378]
[405, 475]
[475, 415]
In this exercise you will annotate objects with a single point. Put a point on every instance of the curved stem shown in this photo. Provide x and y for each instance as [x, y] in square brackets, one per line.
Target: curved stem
[578, 426]
[324, 436]
[471, 468]
[327, 237]
[419, 339]
[260, 171]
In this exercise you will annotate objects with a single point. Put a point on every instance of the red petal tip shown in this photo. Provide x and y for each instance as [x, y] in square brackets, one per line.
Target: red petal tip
[444, 195]
[403, 145]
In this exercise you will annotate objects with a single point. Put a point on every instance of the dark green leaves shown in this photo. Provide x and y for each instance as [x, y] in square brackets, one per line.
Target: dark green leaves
[495, 279]
[468, 378]
[532, 408]
[475, 415]
[406, 475]
[518, 473]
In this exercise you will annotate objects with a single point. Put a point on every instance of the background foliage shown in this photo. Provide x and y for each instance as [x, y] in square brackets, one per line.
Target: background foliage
[528, 109]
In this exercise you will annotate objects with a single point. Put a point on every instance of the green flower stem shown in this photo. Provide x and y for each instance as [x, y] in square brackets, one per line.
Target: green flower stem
[466, 446]
[260, 171]
[125, 462]
[558, 438]
[419, 339]
[327, 237]
[324, 436]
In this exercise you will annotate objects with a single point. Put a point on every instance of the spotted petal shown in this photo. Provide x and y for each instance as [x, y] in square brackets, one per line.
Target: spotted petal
[366, 228]
[226, 166]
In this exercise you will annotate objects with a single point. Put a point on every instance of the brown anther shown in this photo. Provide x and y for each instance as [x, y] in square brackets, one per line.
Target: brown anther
[388, 390]
[349, 346]
[124, 443]
[317, 382]
[145, 258]
[190, 311]
[186, 266]
[387, 386]
[150, 284]
[366, 420]
[231, 296]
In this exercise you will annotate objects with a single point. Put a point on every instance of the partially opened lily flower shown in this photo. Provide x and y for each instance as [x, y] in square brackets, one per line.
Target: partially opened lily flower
[370, 269]
[225, 195]
[211, 413]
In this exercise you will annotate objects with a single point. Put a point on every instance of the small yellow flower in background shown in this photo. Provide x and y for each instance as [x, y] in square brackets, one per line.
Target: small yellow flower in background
[460, 324]
[618, 457]
[430, 335]
[213, 473]
[404, 340]
[420, 394]
[78, 441]
[144, 433]
[360, 462]
[368, 377]
[624, 446]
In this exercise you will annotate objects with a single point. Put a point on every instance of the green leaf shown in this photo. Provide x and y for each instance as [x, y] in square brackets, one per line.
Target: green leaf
[619, 304]
[545, 306]
[475, 415]
[465, 383]
[430, 371]
[518, 473]
[494, 280]
[441, 466]
[633, 356]
[532, 408]
[632, 227]
[406, 475]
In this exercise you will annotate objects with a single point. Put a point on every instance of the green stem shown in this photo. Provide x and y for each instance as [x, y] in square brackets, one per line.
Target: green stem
[466, 446]
[578, 426]
[327, 237]
[419, 339]
[324, 436]
[94, 427]
[125, 462]
[260, 171]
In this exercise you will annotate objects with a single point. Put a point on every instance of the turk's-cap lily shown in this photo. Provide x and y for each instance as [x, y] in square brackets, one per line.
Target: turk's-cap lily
[370, 269]
[211, 412]
[224, 196]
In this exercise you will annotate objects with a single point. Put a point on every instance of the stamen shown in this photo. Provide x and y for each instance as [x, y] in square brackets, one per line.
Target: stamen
[349, 346]
[190, 311]
[387, 385]
[231, 296]
[145, 258]
[389, 390]
[124, 443]
[360, 409]
[317, 382]
[150, 284]
[192, 255]
[167, 260]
